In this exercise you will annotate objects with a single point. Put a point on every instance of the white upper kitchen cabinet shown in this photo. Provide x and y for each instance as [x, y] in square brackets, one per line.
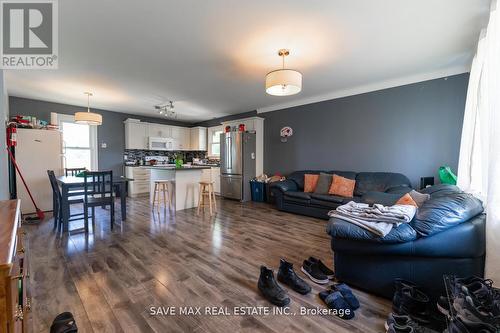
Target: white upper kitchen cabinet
[136, 134]
[184, 141]
[159, 130]
[198, 138]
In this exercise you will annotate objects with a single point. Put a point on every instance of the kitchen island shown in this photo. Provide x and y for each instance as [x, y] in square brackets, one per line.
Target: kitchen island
[184, 185]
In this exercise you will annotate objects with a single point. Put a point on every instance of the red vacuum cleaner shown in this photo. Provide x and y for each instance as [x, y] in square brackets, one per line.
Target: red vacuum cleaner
[39, 213]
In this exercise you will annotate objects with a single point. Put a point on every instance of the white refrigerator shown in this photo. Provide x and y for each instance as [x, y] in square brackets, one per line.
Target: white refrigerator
[36, 152]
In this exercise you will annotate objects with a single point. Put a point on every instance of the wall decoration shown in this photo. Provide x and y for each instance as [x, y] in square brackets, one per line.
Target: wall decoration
[285, 133]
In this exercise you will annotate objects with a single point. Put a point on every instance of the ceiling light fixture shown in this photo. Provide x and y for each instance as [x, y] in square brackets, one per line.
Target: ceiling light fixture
[88, 118]
[167, 110]
[283, 82]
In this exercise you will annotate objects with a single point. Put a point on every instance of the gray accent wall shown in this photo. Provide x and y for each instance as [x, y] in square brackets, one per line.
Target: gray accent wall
[4, 114]
[412, 129]
[111, 132]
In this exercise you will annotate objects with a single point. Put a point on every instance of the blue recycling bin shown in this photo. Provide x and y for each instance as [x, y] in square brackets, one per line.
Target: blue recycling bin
[258, 191]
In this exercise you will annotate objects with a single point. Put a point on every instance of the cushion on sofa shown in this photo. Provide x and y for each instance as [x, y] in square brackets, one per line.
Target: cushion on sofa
[419, 198]
[310, 182]
[297, 197]
[327, 197]
[342, 186]
[445, 211]
[342, 229]
[406, 199]
[378, 181]
[298, 177]
[323, 184]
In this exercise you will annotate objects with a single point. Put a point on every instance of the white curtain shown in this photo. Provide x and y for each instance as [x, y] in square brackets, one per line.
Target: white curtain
[479, 162]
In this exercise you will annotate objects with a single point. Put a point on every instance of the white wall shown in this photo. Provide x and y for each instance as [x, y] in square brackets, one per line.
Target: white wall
[4, 114]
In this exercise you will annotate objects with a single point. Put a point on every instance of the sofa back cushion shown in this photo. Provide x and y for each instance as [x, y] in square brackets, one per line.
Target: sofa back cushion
[445, 211]
[323, 185]
[298, 176]
[379, 181]
[341, 186]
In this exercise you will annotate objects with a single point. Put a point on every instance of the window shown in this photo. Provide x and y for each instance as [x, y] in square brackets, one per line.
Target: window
[214, 141]
[79, 142]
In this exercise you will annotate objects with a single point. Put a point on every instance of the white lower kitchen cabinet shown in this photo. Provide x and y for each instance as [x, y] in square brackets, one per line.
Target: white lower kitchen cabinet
[141, 179]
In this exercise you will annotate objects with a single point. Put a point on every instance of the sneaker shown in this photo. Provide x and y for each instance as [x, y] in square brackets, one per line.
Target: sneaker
[405, 321]
[399, 329]
[461, 325]
[483, 293]
[323, 268]
[335, 301]
[287, 276]
[411, 301]
[347, 294]
[313, 272]
[443, 306]
[470, 312]
[270, 288]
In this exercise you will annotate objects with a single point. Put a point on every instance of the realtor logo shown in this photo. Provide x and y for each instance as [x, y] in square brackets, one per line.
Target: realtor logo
[29, 33]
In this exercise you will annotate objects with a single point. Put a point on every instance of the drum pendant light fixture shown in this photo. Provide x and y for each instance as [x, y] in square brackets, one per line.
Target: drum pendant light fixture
[88, 118]
[283, 82]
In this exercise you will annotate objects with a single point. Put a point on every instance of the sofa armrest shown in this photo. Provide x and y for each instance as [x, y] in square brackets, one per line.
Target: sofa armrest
[284, 186]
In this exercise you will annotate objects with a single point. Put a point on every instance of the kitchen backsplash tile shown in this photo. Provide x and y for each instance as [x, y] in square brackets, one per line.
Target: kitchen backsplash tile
[131, 155]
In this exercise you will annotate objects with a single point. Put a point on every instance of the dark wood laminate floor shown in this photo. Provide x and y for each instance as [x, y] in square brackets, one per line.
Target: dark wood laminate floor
[109, 280]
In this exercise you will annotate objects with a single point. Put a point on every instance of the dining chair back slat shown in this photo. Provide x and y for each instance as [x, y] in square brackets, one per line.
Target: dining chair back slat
[73, 171]
[98, 191]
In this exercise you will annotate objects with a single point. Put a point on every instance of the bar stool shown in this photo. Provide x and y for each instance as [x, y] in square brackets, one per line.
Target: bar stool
[207, 192]
[161, 191]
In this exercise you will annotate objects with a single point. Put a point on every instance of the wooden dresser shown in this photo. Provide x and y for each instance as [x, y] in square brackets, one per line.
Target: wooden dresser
[15, 300]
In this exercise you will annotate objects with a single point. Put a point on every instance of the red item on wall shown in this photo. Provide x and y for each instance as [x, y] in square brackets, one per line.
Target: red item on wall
[228, 129]
[241, 128]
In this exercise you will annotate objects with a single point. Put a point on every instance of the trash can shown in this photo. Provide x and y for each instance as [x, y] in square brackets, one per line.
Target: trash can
[258, 191]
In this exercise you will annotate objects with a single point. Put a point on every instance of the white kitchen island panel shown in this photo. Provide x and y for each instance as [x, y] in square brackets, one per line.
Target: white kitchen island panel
[184, 185]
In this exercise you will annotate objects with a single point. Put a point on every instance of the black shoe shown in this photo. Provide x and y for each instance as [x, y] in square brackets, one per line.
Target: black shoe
[270, 288]
[287, 276]
[64, 323]
[483, 293]
[347, 294]
[399, 323]
[443, 305]
[474, 313]
[323, 268]
[335, 301]
[313, 272]
[461, 325]
[411, 301]
[399, 329]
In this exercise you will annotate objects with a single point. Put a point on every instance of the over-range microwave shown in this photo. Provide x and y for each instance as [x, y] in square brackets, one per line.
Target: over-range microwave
[156, 143]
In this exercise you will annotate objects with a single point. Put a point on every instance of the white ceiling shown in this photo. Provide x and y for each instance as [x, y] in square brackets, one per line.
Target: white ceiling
[211, 57]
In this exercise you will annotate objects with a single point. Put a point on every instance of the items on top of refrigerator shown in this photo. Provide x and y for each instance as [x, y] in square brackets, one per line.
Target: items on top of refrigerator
[21, 121]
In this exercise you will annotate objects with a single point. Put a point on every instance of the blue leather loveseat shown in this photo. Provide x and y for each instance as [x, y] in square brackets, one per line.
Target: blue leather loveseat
[446, 236]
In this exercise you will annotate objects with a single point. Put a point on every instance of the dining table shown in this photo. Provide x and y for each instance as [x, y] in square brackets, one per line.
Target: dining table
[69, 183]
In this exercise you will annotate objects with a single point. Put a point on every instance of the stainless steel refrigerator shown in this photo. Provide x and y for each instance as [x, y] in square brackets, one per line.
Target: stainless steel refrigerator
[237, 168]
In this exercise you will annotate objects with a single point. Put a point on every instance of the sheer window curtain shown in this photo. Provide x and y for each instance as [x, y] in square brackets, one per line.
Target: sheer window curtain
[479, 161]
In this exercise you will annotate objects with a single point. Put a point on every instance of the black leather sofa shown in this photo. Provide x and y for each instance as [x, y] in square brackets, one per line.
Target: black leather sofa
[290, 197]
[446, 236]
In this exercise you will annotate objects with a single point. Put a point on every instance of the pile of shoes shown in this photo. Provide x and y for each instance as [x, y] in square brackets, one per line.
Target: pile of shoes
[413, 311]
[471, 305]
[338, 297]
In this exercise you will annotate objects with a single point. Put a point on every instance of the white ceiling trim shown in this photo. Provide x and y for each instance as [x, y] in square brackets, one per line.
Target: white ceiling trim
[368, 88]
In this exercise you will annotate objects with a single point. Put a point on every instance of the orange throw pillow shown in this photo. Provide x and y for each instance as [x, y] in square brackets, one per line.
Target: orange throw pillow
[310, 182]
[406, 200]
[341, 186]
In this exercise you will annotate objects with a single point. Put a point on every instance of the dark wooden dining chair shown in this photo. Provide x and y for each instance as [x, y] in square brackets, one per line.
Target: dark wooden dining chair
[57, 202]
[73, 171]
[98, 192]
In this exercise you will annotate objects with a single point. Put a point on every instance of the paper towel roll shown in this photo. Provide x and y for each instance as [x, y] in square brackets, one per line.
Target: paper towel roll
[53, 118]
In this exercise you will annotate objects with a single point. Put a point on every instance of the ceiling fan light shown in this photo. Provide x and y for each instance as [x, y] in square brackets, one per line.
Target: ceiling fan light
[283, 82]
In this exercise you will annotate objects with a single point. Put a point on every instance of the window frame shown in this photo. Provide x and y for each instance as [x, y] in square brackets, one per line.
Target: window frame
[94, 151]
[211, 131]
